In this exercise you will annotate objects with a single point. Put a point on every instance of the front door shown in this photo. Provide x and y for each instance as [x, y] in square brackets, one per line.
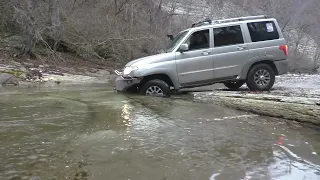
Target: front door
[195, 65]
[230, 53]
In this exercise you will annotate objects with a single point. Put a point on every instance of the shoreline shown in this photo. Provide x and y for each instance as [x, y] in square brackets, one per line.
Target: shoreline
[16, 74]
[294, 97]
[304, 110]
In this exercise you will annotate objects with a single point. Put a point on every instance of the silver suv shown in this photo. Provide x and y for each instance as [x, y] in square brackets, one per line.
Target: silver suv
[249, 50]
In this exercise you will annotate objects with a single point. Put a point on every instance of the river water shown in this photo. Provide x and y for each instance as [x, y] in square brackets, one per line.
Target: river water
[92, 133]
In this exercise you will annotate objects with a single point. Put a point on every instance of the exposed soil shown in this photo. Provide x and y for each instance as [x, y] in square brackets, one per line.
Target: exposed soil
[55, 67]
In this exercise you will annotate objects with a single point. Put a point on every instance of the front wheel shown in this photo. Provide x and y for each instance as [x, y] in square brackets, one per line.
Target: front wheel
[261, 78]
[155, 87]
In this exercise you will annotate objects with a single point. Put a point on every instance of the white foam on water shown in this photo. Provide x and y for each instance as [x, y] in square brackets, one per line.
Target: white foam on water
[234, 117]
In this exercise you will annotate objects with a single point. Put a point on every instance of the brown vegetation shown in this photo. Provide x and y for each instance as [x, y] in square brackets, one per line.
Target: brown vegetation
[120, 30]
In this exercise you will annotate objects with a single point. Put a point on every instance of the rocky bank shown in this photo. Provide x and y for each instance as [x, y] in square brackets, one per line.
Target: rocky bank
[15, 73]
[294, 97]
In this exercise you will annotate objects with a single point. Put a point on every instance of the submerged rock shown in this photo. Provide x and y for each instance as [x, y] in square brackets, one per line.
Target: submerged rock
[4, 77]
[8, 79]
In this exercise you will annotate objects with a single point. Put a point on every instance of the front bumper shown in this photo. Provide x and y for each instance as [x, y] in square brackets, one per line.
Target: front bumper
[124, 83]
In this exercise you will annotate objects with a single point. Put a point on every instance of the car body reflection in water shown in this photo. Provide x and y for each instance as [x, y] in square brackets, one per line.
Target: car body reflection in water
[286, 166]
[283, 165]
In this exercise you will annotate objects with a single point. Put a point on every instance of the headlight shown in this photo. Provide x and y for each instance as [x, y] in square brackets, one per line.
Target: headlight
[129, 69]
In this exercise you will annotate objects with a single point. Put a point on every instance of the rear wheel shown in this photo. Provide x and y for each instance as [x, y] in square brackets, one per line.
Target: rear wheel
[155, 87]
[234, 85]
[261, 77]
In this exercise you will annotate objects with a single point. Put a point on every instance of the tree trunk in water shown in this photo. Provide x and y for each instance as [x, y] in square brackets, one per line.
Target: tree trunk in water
[300, 109]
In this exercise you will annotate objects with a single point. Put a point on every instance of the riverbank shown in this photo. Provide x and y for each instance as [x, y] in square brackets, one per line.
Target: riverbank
[52, 68]
[16, 73]
[294, 97]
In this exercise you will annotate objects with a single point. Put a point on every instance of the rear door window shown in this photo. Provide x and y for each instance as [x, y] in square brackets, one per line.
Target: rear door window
[263, 31]
[226, 36]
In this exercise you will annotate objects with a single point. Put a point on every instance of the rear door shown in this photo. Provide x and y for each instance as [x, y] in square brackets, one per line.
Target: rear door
[266, 38]
[195, 66]
[230, 51]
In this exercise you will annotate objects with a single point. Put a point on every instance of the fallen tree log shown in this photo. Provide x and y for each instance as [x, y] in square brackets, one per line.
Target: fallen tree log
[292, 108]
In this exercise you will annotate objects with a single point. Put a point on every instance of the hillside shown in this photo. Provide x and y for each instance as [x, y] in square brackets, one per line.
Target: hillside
[298, 19]
[110, 33]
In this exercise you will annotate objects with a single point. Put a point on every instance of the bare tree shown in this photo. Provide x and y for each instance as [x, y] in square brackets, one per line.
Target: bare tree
[124, 29]
[54, 23]
[26, 12]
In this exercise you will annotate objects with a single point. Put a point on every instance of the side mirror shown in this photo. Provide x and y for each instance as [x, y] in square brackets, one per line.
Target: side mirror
[184, 47]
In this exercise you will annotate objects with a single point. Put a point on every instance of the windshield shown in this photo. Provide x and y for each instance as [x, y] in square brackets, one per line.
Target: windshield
[176, 41]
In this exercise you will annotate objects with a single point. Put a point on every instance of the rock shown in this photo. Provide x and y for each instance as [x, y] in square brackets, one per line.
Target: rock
[13, 66]
[91, 74]
[33, 74]
[4, 77]
[103, 73]
[57, 73]
[8, 79]
[12, 81]
[97, 73]
[47, 79]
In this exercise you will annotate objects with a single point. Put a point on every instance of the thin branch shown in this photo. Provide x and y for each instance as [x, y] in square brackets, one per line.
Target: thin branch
[38, 36]
[120, 9]
[120, 39]
[285, 25]
[8, 36]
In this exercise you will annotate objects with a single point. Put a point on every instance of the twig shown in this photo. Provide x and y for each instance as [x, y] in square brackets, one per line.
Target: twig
[119, 39]
[38, 36]
[2, 38]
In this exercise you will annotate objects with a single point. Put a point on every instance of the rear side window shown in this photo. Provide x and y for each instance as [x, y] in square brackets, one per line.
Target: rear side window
[226, 36]
[263, 31]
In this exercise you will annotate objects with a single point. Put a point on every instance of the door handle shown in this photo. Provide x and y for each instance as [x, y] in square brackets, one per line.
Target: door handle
[240, 48]
[205, 53]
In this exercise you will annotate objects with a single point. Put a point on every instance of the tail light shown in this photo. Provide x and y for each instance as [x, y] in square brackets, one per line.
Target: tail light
[284, 48]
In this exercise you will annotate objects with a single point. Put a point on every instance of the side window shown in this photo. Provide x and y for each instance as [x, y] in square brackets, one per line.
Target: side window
[199, 40]
[263, 31]
[226, 36]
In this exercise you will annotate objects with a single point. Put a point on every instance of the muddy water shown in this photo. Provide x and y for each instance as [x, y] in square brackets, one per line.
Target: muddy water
[86, 132]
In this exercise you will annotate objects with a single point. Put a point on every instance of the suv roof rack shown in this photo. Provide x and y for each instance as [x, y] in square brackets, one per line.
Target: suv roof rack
[245, 18]
[201, 23]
